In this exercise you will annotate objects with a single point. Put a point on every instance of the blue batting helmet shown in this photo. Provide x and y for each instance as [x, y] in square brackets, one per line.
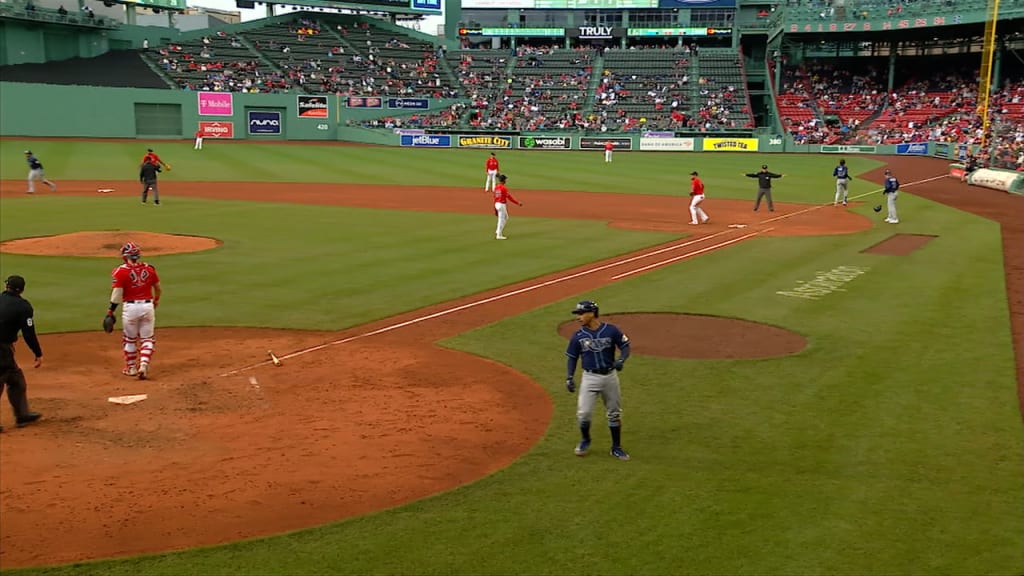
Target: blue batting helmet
[585, 306]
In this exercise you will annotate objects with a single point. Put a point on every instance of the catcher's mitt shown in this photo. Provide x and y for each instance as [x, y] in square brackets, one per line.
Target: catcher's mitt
[878, 208]
[167, 167]
[108, 323]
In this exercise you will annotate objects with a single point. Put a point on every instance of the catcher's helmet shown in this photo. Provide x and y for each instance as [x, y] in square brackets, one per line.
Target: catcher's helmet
[585, 306]
[131, 251]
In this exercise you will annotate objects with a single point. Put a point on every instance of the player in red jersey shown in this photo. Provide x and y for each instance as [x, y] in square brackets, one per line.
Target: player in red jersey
[136, 284]
[696, 198]
[501, 199]
[151, 157]
[492, 173]
[608, 147]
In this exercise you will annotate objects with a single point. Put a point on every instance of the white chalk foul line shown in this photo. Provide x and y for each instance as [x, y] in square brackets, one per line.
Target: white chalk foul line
[690, 254]
[876, 191]
[483, 301]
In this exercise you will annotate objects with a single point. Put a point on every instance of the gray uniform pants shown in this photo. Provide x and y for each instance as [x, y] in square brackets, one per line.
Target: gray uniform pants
[891, 201]
[842, 190]
[146, 187]
[607, 387]
[13, 379]
[765, 193]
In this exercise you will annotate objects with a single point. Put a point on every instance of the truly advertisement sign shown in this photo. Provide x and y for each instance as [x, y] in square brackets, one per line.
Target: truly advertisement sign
[264, 122]
[593, 143]
[730, 144]
[659, 144]
[217, 129]
[544, 142]
[215, 104]
[425, 140]
[313, 107]
[484, 141]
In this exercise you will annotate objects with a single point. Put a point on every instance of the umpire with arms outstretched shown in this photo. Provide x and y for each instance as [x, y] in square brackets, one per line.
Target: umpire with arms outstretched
[764, 186]
[595, 343]
[16, 316]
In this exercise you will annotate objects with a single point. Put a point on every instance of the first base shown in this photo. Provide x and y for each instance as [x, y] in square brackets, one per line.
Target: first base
[132, 399]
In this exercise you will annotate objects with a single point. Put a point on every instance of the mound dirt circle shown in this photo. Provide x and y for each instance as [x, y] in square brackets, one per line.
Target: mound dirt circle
[106, 243]
[700, 337]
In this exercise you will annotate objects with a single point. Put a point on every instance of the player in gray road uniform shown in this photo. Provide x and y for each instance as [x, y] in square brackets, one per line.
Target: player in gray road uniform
[595, 342]
[35, 173]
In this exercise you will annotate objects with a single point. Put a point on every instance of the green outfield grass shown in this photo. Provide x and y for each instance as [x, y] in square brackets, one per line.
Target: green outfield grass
[808, 176]
[892, 445]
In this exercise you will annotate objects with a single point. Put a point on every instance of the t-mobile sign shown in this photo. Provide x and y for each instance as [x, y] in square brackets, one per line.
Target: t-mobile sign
[215, 104]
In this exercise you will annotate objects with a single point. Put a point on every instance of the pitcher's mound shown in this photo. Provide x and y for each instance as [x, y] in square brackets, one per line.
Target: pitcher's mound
[694, 336]
[107, 243]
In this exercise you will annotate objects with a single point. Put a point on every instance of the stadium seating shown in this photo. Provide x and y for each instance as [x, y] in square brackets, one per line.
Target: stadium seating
[652, 88]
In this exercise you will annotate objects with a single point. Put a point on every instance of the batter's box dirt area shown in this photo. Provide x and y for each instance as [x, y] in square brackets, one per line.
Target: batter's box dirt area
[900, 244]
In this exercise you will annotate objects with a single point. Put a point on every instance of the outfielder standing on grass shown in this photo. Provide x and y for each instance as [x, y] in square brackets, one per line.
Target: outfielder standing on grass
[138, 286]
[697, 214]
[35, 173]
[501, 199]
[491, 166]
[199, 140]
[595, 342]
[842, 175]
[608, 147]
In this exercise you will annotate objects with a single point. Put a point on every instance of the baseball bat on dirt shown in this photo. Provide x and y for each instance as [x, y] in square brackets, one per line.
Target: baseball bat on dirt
[274, 359]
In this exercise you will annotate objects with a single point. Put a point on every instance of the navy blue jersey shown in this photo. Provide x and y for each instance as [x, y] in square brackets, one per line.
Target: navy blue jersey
[891, 185]
[597, 347]
[841, 172]
[34, 163]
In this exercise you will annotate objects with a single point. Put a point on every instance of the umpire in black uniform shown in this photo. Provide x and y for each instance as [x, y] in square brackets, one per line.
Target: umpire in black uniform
[147, 175]
[764, 186]
[16, 316]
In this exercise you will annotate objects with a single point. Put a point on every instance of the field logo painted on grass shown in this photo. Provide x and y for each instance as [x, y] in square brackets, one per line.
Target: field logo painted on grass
[824, 283]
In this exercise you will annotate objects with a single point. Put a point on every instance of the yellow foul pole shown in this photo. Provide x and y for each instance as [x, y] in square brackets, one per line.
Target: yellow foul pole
[987, 54]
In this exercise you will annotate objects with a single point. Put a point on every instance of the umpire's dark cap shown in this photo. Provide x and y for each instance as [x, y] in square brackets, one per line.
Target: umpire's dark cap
[585, 306]
[15, 284]
[764, 166]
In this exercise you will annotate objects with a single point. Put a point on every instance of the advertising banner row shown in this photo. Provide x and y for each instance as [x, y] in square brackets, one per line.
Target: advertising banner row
[222, 104]
[659, 143]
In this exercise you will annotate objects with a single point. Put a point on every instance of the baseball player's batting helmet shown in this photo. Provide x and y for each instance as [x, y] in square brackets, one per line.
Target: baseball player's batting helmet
[130, 251]
[585, 306]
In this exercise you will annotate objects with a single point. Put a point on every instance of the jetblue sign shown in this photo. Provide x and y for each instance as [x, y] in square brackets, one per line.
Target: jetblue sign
[261, 122]
[426, 141]
[409, 103]
[914, 148]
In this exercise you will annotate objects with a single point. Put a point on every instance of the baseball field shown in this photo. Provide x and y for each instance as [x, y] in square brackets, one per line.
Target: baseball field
[812, 390]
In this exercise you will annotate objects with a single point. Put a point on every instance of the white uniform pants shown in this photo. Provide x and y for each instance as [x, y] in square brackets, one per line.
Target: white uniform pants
[492, 179]
[138, 324]
[199, 143]
[501, 209]
[607, 155]
[698, 216]
[37, 175]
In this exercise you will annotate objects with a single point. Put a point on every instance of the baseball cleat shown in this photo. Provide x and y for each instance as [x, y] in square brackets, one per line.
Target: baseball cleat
[28, 419]
[582, 448]
[500, 238]
[619, 453]
[143, 372]
[132, 372]
[693, 224]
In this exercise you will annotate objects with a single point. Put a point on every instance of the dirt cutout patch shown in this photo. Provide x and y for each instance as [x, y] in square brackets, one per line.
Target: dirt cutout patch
[900, 244]
[107, 243]
[701, 337]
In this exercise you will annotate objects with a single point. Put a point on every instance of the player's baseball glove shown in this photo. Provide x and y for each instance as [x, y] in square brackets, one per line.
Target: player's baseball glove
[878, 208]
[167, 167]
[108, 323]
